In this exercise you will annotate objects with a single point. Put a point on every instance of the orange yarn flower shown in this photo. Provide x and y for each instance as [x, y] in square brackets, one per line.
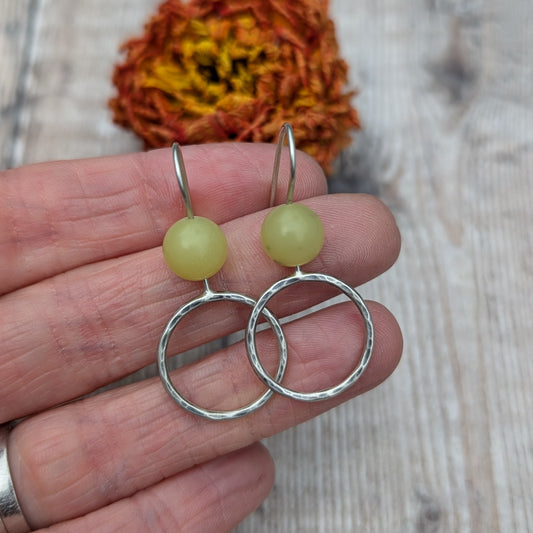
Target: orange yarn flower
[218, 70]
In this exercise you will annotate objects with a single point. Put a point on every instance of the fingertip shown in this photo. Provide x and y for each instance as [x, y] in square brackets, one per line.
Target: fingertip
[244, 479]
[266, 469]
[381, 228]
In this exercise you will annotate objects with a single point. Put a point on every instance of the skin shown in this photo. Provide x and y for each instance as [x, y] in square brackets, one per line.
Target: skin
[85, 294]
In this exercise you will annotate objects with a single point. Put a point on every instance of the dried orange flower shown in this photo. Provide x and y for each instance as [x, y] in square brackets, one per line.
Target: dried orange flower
[218, 70]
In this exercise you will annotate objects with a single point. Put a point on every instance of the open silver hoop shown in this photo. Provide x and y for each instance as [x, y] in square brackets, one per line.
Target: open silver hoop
[275, 383]
[209, 297]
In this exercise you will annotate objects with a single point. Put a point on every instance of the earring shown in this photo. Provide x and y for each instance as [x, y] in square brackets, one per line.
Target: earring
[195, 249]
[293, 235]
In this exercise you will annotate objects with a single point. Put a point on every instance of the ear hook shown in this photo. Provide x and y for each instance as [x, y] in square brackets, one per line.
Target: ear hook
[179, 167]
[285, 129]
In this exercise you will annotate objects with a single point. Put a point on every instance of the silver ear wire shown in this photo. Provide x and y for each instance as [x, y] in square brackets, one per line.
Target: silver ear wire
[179, 167]
[286, 129]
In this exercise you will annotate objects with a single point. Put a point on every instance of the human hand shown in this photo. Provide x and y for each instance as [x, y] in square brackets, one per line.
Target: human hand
[85, 296]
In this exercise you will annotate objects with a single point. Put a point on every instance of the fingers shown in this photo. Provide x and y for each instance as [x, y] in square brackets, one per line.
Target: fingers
[214, 496]
[58, 216]
[72, 460]
[73, 333]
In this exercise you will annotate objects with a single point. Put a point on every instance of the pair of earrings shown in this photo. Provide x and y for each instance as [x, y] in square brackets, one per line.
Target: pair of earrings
[292, 234]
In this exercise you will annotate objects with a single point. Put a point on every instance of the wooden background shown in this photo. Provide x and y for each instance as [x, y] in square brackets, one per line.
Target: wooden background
[447, 103]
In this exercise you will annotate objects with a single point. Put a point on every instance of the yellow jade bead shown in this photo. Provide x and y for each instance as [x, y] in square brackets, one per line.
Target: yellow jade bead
[195, 248]
[292, 234]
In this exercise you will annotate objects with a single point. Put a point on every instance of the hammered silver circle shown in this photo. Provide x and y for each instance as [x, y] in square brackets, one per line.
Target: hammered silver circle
[209, 297]
[274, 383]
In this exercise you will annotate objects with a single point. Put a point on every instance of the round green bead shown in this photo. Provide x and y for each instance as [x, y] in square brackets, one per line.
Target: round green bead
[292, 234]
[195, 248]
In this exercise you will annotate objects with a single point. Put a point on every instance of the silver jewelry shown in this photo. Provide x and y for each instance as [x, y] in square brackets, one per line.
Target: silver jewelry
[11, 518]
[274, 384]
[297, 277]
[210, 296]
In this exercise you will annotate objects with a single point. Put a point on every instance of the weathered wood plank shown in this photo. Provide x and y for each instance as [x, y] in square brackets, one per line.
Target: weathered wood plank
[454, 157]
[16, 35]
[447, 106]
[65, 105]
[447, 143]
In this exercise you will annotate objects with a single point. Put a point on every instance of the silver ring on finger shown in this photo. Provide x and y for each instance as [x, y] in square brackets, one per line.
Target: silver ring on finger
[11, 518]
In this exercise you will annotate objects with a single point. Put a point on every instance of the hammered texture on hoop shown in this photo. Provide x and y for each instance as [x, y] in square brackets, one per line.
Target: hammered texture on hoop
[275, 383]
[209, 297]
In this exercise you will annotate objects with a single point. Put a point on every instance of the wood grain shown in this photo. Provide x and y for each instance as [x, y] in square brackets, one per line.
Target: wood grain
[447, 106]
